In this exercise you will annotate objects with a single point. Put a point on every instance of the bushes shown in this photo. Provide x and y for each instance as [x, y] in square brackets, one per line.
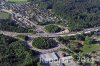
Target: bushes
[53, 28]
[44, 43]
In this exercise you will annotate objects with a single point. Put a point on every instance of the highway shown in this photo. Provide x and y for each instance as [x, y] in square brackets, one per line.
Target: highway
[41, 28]
[43, 34]
[51, 35]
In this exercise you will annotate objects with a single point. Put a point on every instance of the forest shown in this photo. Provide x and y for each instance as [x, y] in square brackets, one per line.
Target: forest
[80, 14]
[14, 53]
[44, 43]
[10, 25]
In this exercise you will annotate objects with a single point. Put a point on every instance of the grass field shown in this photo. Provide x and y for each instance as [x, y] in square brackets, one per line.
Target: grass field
[4, 15]
[18, 1]
[90, 48]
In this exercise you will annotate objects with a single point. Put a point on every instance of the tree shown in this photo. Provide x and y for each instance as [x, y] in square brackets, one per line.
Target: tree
[80, 37]
[14, 53]
[64, 40]
[10, 25]
[80, 14]
[53, 28]
[27, 38]
[44, 43]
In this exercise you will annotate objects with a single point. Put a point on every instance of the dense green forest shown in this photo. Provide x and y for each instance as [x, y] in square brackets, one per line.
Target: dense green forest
[14, 53]
[79, 13]
[44, 43]
[10, 25]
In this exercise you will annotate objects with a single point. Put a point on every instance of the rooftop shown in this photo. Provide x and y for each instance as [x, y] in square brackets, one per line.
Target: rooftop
[49, 56]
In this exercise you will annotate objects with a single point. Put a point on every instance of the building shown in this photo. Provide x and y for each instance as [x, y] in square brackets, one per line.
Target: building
[49, 57]
[57, 59]
[64, 57]
[2, 2]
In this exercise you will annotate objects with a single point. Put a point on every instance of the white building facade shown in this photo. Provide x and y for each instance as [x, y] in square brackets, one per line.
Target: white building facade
[55, 58]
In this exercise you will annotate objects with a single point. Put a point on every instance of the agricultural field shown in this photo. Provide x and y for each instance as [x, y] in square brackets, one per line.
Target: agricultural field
[4, 15]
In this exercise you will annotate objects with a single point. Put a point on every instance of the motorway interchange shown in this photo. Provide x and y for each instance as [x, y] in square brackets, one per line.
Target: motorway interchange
[40, 31]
